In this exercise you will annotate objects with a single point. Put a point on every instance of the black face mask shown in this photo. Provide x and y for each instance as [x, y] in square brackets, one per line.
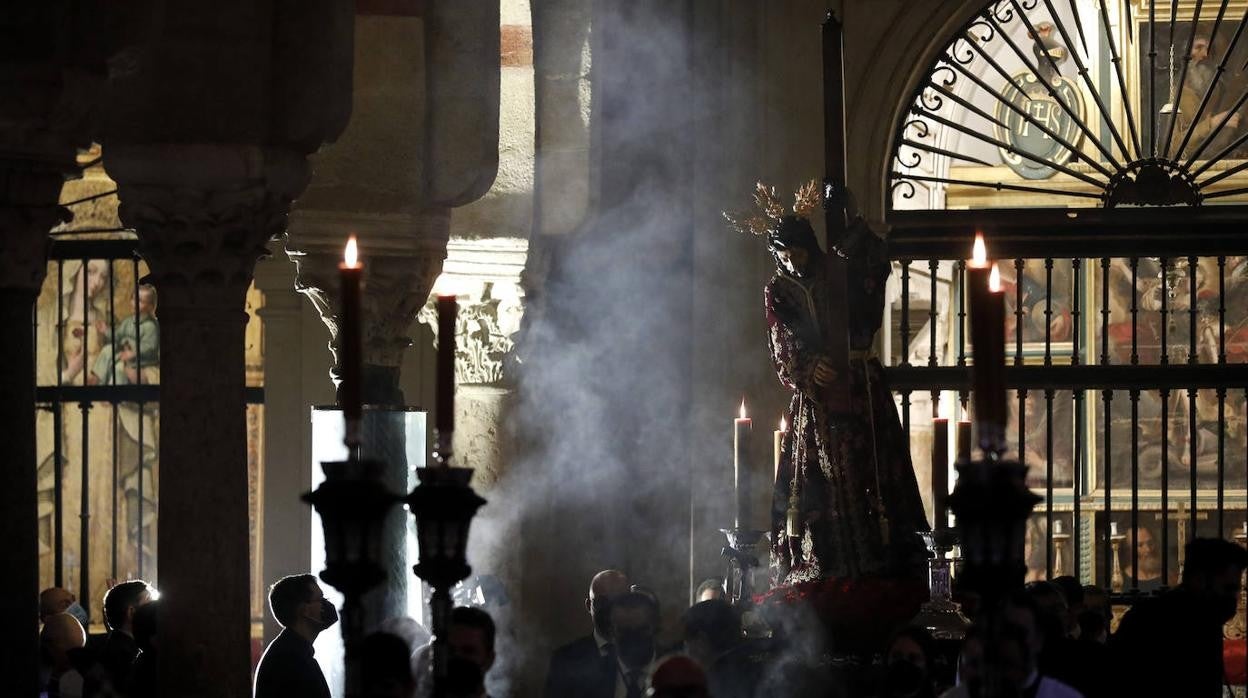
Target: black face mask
[635, 647]
[463, 678]
[329, 614]
[902, 678]
[602, 617]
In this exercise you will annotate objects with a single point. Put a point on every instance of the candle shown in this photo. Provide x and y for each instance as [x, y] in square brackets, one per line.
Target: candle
[778, 443]
[1113, 528]
[987, 304]
[445, 366]
[964, 441]
[1057, 527]
[940, 471]
[742, 427]
[349, 351]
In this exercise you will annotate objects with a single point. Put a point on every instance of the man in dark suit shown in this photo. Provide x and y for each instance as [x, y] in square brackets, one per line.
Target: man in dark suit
[288, 668]
[117, 651]
[587, 668]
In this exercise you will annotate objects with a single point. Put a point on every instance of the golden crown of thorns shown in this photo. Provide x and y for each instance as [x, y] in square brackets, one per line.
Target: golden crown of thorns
[768, 209]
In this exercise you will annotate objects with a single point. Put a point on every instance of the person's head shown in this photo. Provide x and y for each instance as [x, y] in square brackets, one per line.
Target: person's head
[406, 629]
[61, 633]
[634, 625]
[794, 247]
[711, 628]
[1022, 611]
[145, 625]
[911, 652]
[1096, 599]
[1052, 611]
[1212, 569]
[147, 299]
[1011, 655]
[605, 586]
[471, 636]
[678, 676]
[96, 276]
[54, 600]
[971, 659]
[299, 604]
[386, 666]
[1092, 627]
[122, 601]
[710, 588]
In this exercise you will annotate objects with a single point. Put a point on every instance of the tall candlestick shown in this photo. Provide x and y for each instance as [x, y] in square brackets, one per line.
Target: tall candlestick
[349, 346]
[778, 444]
[445, 421]
[940, 471]
[964, 441]
[988, 342]
[742, 429]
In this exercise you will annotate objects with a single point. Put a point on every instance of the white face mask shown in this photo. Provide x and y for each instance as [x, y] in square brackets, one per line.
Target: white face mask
[76, 610]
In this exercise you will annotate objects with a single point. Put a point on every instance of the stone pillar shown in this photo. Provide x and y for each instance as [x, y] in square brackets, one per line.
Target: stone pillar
[287, 520]
[203, 215]
[29, 190]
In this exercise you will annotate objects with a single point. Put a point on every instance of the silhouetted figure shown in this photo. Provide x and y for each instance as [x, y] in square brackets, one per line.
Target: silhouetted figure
[61, 634]
[470, 642]
[586, 668]
[118, 650]
[1172, 645]
[142, 682]
[55, 600]
[713, 638]
[288, 668]
[386, 666]
[908, 672]
[634, 631]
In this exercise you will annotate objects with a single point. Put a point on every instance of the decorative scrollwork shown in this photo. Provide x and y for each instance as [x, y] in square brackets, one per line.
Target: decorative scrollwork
[913, 153]
[949, 81]
[909, 191]
[931, 100]
[1003, 11]
[921, 128]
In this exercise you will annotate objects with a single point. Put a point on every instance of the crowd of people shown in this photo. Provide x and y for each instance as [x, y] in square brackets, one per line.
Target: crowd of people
[1050, 639]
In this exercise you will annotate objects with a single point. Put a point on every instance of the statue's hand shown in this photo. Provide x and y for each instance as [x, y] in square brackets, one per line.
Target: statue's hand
[824, 375]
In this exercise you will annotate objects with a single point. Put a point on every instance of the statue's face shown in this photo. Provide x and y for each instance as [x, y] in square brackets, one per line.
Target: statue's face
[794, 261]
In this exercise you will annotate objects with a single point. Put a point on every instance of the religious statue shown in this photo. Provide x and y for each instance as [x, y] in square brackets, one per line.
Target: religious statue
[846, 503]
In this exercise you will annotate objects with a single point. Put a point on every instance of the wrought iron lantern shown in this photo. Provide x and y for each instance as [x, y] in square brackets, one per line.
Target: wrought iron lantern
[443, 504]
[992, 503]
[352, 503]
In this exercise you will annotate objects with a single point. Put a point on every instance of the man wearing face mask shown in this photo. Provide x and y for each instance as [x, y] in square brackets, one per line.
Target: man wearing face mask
[288, 669]
[634, 629]
[586, 668]
[1172, 645]
[54, 600]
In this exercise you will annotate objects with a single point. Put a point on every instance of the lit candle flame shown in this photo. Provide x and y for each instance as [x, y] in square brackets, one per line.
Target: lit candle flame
[994, 279]
[784, 426]
[979, 253]
[742, 408]
[351, 254]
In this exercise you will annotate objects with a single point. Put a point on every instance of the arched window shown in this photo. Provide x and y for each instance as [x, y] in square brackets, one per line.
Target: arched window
[1102, 148]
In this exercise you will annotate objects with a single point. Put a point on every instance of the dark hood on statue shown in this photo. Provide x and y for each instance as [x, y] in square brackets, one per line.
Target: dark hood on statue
[793, 232]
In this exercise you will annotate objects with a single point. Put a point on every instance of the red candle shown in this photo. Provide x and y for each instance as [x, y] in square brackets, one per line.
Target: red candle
[940, 471]
[349, 351]
[447, 309]
[988, 342]
[742, 429]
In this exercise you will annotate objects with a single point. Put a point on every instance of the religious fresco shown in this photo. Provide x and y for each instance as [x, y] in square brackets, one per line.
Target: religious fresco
[96, 327]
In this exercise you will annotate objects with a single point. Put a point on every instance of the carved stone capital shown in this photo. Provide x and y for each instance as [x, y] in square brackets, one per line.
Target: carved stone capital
[485, 276]
[402, 256]
[204, 216]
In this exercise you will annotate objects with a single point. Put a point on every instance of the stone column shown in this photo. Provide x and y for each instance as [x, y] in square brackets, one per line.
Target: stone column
[285, 419]
[203, 215]
[29, 190]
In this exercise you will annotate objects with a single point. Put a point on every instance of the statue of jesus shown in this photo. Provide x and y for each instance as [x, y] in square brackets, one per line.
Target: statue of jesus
[845, 503]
